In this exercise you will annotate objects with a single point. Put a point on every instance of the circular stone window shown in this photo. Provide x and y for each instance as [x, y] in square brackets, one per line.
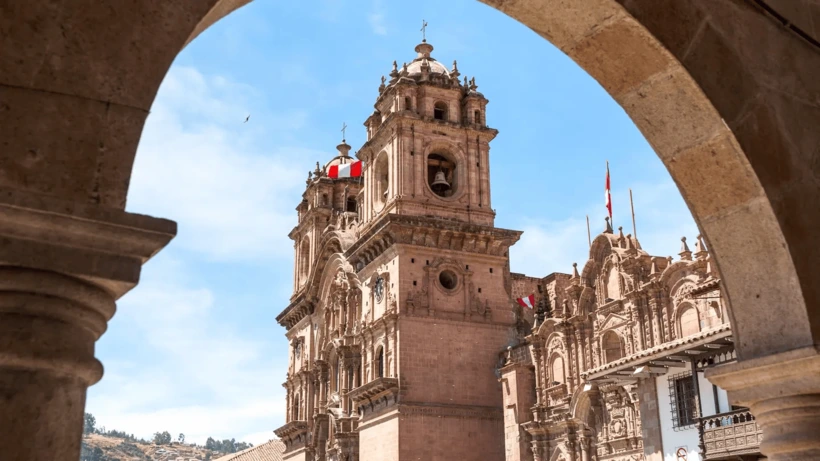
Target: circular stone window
[448, 280]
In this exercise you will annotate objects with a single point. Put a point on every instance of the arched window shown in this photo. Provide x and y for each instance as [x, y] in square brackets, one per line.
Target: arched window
[407, 105]
[336, 374]
[351, 205]
[689, 323]
[612, 348]
[380, 364]
[296, 404]
[477, 117]
[440, 111]
[613, 284]
[304, 260]
[325, 200]
[442, 174]
[382, 180]
[557, 370]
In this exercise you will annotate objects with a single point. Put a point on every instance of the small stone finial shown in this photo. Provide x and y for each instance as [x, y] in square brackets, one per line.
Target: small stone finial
[404, 70]
[575, 270]
[318, 171]
[629, 245]
[653, 270]
[685, 254]
[382, 86]
[669, 260]
[394, 74]
[608, 229]
[310, 177]
[473, 86]
[700, 249]
[620, 232]
[465, 82]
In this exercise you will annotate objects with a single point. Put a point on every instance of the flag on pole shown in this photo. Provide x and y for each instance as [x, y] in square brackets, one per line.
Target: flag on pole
[347, 170]
[607, 195]
[528, 302]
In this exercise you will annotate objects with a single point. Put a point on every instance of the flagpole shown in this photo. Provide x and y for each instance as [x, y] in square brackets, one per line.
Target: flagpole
[589, 235]
[632, 207]
[609, 185]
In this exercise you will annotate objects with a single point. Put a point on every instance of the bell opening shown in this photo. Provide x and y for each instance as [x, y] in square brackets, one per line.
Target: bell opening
[441, 175]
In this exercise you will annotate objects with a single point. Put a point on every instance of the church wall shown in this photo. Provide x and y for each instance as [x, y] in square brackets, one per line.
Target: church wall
[379, 441]
[423, 266]
[518, 390]
[437, 437]
[451, 362]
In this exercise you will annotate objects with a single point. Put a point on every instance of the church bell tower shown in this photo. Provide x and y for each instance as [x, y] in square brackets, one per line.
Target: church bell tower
[401, 306]
[428, 145]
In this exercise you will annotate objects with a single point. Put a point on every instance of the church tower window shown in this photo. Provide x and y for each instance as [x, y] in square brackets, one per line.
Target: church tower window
[407, 105]
[448, 280]
[304, 261]
[477, 117]
[351, 205]
[380, 364]
[382, 181]
[440, 111]
[441, 174]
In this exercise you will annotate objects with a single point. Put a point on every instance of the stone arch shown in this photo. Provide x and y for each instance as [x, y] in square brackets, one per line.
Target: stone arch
[651, 56]
[687, 320]
[612, 346]
[558, 373]
[722, 91]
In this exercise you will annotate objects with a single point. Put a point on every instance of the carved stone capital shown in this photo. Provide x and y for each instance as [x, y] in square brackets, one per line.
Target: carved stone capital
[783, 392]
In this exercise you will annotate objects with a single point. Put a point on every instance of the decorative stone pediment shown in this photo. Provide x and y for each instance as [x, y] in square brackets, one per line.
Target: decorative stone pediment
[611, 322]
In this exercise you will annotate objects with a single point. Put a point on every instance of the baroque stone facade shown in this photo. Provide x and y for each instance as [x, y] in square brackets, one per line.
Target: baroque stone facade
[402, 285]
[602, 337]
[405, 340]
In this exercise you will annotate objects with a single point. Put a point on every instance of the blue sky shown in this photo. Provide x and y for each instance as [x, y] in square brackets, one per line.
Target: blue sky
[195, 348]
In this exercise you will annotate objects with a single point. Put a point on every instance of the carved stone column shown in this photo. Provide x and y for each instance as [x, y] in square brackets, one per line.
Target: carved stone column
[62, 266]
[783, 392]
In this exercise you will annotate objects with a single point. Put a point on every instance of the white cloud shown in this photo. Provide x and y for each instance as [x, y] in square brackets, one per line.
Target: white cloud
[553, 245]
[206, 377]
[200, 165]
[376, 19]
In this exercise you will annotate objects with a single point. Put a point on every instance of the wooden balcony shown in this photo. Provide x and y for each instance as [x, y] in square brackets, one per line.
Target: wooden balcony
[732, 435]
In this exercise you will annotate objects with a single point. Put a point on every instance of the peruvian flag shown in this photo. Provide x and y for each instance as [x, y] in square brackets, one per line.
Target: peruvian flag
[528, 302]
[348, 170]
[607, 195]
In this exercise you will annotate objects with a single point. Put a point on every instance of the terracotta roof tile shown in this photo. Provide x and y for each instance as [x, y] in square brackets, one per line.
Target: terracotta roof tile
[268, 451]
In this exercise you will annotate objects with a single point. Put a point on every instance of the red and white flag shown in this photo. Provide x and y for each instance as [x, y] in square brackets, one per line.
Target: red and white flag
[607, 195]
[528, 302]
[348, 170]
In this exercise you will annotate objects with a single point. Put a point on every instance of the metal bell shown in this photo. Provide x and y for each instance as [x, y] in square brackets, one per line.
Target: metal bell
[440, 182]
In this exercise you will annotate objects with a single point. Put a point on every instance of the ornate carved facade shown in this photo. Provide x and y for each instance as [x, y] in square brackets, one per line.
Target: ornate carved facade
[402, 285]
[403, 301]
[592, 366]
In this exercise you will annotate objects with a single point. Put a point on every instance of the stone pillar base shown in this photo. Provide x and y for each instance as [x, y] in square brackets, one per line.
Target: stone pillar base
[783, 392]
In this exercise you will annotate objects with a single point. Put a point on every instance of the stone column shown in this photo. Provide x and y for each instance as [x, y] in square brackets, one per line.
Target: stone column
[783, 392]
[62, 266]
[650, 419]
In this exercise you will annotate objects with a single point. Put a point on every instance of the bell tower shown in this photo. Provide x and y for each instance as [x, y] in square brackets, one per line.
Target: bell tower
[402, 301]
[427, 149]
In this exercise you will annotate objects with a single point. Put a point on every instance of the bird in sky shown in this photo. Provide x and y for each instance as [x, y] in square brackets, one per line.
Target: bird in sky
[247, 118]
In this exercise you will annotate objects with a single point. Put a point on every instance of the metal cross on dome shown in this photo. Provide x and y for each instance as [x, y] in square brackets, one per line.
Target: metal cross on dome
[423, 30]
[344, 128]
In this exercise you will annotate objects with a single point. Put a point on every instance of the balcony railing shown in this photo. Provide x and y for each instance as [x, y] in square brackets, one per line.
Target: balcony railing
[729, 435]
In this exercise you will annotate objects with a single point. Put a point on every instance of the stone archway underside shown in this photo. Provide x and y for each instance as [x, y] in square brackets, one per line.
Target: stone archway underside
[727, 96]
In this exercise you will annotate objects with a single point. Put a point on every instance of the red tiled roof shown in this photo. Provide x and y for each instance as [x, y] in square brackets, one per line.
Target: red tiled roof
[268, 451]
